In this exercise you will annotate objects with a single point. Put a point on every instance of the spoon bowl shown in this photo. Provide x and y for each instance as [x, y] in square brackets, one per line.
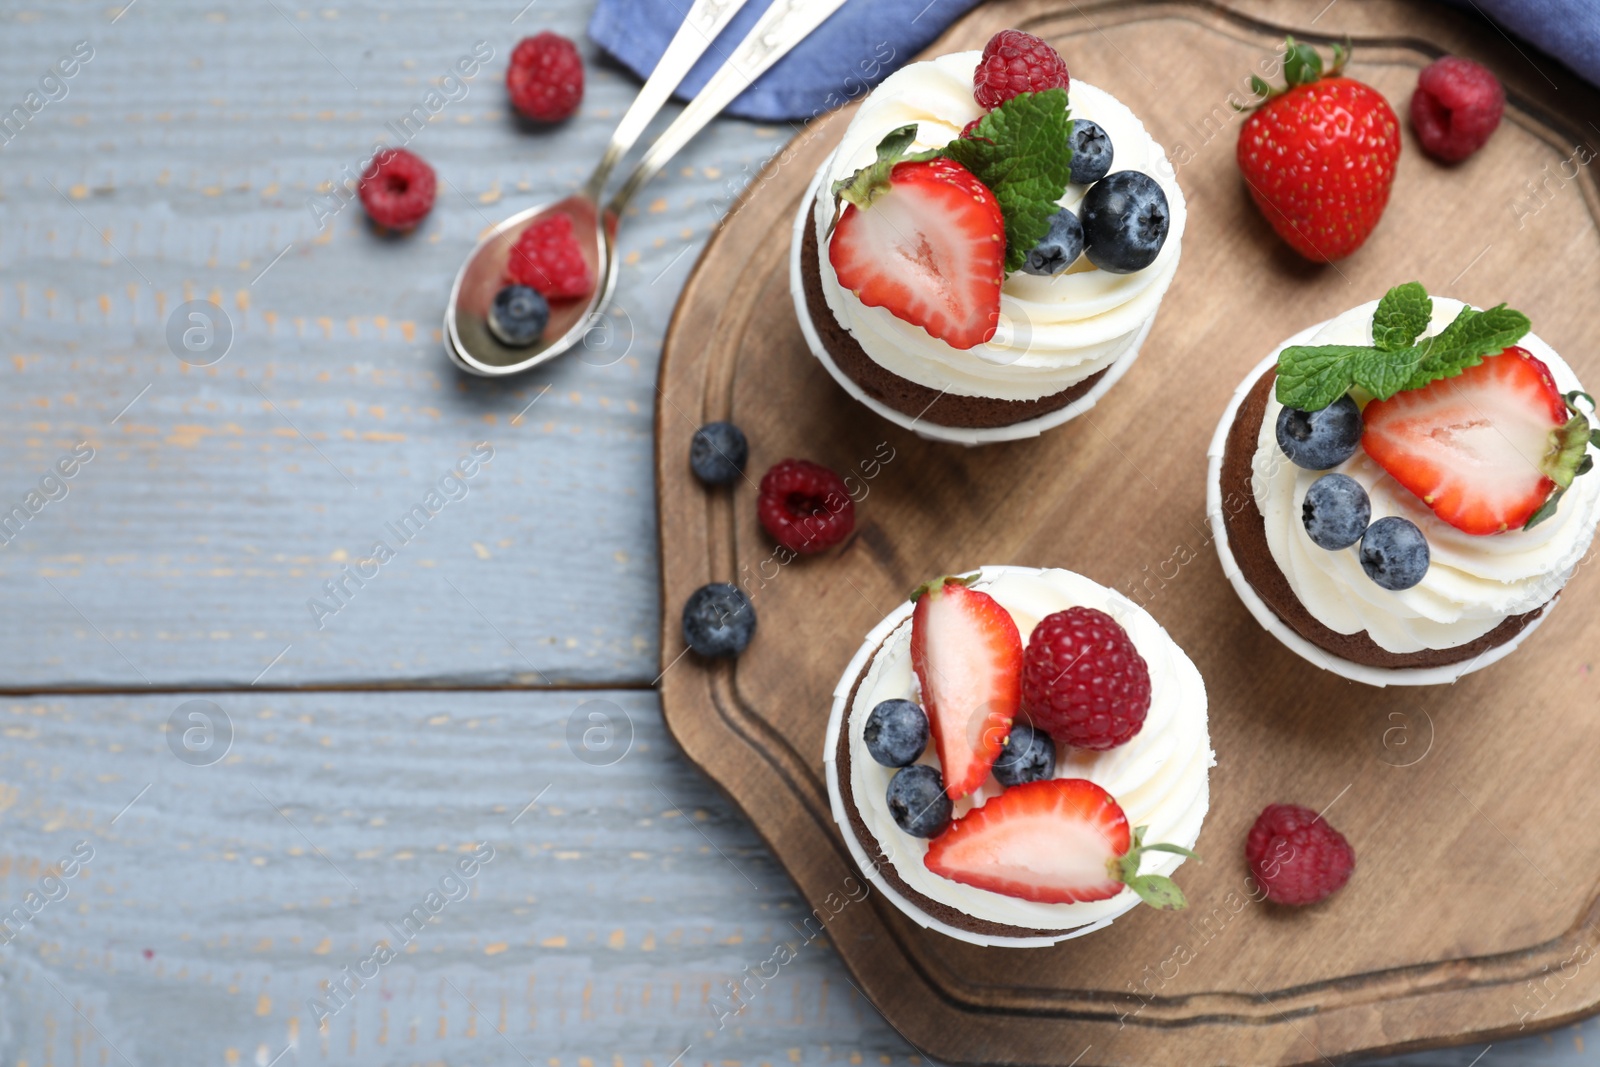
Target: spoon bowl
[470, 342]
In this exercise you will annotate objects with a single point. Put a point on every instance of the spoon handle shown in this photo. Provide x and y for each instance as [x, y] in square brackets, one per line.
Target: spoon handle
[785, 24]
[706, 19]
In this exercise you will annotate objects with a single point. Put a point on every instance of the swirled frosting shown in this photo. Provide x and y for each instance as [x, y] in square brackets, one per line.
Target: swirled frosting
[1473, 582]
[1054, 332]
[1160, 777]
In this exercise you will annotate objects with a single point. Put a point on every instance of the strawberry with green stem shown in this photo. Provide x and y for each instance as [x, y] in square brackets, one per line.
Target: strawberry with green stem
[1053, 841]
[1319, 156]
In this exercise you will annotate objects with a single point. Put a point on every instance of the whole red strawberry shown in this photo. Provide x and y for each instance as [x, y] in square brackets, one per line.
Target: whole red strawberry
[1015, 62]
[397, 189]
[545, 77]
[1319, 158]
[1083, 682]
[805, 506]
[1296, 856]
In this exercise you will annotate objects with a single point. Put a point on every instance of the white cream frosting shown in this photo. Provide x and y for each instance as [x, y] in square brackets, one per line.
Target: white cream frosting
[1054, 332]
[1160, 777]
[1473, 582]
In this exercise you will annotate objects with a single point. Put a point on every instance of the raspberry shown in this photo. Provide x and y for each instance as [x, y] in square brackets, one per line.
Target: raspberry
[547, 257]
[1083, 682]
[545, 78]
[397, 189]
[1015, 62]
[1457, 105]
[805, 506]
[969, 131]
[1296, 856]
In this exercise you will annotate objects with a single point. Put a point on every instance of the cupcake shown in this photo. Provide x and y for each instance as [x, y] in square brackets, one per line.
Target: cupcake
[1396, 494]
[979, 264]
[1019, 756]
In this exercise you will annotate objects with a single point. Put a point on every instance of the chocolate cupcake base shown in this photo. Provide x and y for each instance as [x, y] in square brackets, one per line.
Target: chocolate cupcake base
[1240, 532]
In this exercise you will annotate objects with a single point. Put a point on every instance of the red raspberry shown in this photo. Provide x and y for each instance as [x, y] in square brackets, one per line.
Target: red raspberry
[967, 131]
[397, 189]
[1296, 856]
[1015, 62]
[1457, 105]
[1083, 682]
[805, 506]
[547, 257]
[545, 78]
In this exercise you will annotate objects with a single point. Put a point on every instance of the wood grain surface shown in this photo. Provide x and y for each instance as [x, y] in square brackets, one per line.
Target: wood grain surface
[1468, 889]
[190, 143]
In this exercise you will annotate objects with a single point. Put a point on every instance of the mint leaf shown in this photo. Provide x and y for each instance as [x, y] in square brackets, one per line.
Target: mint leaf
[1402, 315]
[1017, 150]
[1384, 374]
[1466, 341]
[1310, 377]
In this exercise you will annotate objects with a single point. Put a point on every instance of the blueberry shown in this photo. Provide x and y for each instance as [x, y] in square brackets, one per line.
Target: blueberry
[896, 733]
[918, 802]
[1061, 245]
[1091, 152]
[1394, 553]
[1125, 219]
[718, 452]
[1320, 440]
[1336, 511]
[718, 620]
[1029, 755]
[518, 315]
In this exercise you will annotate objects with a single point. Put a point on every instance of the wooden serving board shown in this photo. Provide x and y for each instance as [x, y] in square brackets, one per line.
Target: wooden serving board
[1473, 808]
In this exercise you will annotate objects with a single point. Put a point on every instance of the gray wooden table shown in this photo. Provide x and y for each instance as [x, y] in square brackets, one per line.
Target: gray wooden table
[267, 789]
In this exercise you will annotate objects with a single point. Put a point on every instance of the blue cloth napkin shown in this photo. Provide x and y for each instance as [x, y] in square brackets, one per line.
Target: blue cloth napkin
[866, 40]
[1567, 29]
[861, 44]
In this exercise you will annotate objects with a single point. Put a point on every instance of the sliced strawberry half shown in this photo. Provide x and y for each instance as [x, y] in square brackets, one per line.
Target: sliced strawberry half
[967, 653]
[924, 240]
[1055, 841]
[1485, 449]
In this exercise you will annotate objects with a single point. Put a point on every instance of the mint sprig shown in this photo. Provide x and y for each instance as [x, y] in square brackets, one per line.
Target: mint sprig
[1019, 151]
[1310, 377]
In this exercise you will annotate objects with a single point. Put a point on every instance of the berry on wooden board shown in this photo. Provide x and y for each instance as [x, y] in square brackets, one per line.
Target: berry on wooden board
[1456, 107]
[804, 506]
[718, 620]
[1319, 157]
[718, 453]
[1296, 857]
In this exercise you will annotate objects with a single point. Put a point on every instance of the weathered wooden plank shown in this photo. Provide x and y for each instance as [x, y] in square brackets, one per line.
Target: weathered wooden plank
[178, 167]
[613, 912]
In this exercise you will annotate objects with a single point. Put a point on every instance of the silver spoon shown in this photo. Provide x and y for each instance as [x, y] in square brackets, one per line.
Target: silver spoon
[468, 340]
